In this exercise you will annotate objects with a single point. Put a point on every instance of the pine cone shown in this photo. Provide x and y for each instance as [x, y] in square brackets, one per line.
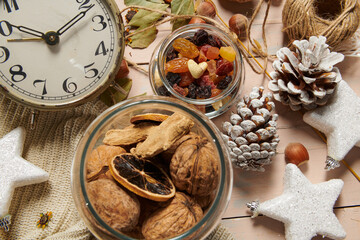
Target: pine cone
[251, 133]
[305, 78]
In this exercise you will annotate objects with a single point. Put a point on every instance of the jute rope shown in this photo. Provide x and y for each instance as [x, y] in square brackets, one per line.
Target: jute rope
[304, 18]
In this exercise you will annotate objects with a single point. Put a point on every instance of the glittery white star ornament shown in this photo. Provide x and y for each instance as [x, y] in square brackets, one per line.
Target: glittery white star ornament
[15, 171]
[339, 120]
[306, 209]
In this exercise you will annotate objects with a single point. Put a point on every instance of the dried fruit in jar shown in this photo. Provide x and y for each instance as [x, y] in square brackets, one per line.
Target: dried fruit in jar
[179, 215]
[194, 167]
[177, 65]
[224, 83]
[223, 67]
[213, 53]
[200, 37]
[185, 48]
[117, 207]
[100, 157]
[148, 117]
[227, 53]
[163, 136]
[142, 177]
[173, 78]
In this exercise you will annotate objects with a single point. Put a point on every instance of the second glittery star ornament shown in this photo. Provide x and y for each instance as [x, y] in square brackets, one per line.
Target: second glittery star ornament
[339, 120]
[306, 209]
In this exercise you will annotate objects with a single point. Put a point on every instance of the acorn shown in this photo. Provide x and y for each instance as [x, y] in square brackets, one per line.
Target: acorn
[296, 153]
[238, 23]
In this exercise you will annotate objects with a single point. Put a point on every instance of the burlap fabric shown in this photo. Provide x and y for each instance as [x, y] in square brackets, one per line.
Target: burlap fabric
[51, 146]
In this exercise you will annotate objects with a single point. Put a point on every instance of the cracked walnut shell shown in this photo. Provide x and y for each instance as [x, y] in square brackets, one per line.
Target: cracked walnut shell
[179, 215]
[194, 167]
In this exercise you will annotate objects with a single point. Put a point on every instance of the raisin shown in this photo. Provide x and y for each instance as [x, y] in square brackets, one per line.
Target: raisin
[192, 91]
[171, 54]
[214, 41]
[163, 91]
[205, 81]
[186, 48]
[203, 92]
[200, 37]
[224, 83]
[173, 78]
[223, 67]
[177, 65]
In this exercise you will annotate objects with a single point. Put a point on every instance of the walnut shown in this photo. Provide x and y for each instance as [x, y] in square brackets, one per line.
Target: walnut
[117, 207]
[100, 157]
[194, 167]
[181, 214]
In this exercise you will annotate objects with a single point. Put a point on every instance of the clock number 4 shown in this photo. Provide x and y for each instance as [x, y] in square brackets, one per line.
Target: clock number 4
[8, 5]
[101, 49]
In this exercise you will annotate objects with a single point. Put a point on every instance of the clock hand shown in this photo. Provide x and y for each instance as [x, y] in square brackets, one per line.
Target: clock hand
[25, 39]
[29, 31]
[73, 21]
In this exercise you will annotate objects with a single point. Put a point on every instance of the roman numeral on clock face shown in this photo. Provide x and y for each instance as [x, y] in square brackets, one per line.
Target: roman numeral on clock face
[10, 5]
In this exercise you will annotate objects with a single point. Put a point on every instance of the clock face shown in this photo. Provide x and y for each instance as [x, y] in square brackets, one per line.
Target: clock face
[57, 54]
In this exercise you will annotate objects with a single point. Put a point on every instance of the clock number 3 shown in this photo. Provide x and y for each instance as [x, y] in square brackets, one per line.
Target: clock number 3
[100, 22]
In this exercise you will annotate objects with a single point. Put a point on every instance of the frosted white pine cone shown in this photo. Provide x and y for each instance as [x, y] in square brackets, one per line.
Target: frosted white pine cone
[251, 132]
[307, 77]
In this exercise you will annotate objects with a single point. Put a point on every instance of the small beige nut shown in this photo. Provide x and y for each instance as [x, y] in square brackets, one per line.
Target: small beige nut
[196, 70]
[296, 153]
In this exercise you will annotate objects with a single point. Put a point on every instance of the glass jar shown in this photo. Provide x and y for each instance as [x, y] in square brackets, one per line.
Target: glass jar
[213, 106]
[118, 116]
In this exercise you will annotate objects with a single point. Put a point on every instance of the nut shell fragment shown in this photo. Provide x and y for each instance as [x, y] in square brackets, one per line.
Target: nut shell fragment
[181, 214]
[117, 207]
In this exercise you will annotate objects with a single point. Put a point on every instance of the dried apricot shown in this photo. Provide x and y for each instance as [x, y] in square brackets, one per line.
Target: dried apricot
[186, 48]
[213, 53]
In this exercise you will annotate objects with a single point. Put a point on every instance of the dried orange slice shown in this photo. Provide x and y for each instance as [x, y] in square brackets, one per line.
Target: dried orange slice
[152, 117]
[142, 177]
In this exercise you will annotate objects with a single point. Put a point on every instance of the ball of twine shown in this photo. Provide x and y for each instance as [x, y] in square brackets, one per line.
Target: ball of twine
[337, 20]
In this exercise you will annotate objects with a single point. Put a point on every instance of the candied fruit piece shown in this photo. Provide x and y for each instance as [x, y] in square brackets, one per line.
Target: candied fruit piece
[180, 90]
[213, 53]
[202, 57]
[173, 78]
[205, 81]
[186, 79]
[186, 48]
[224, 83]
[223, 67]
[177, 65]
[228, 53]
[215, 92]
[212, 69]
[200, 37]
[205, 48]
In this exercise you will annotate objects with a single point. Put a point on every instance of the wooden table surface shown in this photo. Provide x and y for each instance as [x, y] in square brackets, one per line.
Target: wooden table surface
[250, 186]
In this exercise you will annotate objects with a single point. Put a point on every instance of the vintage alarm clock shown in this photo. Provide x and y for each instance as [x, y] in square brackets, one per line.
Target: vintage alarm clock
[58, 54]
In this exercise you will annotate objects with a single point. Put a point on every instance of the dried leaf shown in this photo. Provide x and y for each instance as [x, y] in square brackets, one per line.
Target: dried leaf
[182, 7]
[113, 95]
[144, 18]
[143, 39]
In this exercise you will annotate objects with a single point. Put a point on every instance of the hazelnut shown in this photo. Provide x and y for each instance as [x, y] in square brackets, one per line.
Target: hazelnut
[206, 9]
[238, 23]
[296, 153]
[196, 20]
